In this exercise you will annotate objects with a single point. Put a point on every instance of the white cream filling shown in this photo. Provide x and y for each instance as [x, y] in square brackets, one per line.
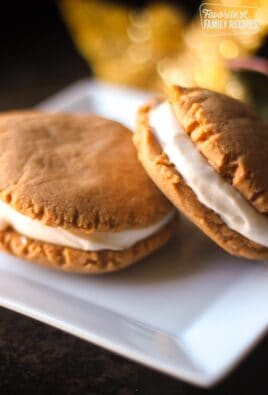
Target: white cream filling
[94, 241]
[210, 188]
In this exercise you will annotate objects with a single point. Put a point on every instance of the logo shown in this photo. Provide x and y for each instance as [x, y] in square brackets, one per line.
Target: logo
[221, 19]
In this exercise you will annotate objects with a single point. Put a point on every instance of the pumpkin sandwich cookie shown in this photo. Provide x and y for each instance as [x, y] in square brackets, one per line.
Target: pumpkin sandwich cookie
[74, 196]
[209, 154]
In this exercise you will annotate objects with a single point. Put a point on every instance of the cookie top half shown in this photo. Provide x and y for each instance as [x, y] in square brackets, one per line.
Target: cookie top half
[79, 172]
[231, 137]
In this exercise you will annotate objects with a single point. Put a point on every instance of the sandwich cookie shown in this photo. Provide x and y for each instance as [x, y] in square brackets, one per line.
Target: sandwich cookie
[209, 154]
[74, 196]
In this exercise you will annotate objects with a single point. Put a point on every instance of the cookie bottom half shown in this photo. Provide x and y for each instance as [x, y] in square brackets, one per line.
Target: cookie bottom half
[78, 261]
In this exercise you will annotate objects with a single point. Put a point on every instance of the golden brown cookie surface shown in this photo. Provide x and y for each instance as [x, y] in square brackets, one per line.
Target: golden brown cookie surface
[75, 171]
[169, 180]
[230, 135]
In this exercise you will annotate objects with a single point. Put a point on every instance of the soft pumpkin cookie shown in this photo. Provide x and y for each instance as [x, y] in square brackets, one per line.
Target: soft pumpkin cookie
[209, 154]
[73, 195]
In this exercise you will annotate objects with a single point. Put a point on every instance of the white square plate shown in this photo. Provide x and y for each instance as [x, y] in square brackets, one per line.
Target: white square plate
[189, 310]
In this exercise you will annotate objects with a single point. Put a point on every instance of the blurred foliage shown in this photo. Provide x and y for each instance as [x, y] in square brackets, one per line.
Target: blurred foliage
[137, 46]
[256, 84]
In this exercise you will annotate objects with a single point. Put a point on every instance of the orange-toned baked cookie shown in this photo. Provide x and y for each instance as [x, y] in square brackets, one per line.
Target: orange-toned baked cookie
[73, 194]
[209, 154]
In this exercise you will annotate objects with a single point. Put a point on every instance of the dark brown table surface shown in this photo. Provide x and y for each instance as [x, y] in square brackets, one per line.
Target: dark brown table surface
[37, 59]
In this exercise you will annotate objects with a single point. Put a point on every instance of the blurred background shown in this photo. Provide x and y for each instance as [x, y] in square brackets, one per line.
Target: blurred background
[47, 44]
